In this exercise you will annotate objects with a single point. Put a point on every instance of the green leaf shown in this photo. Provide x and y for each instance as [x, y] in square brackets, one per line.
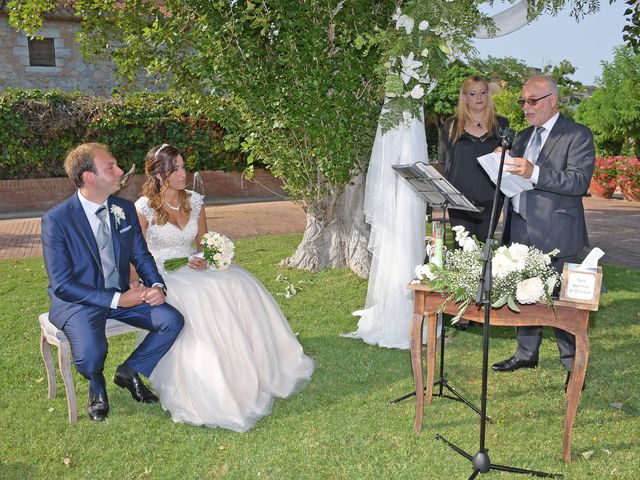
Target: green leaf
[512, 304]
[500, 302]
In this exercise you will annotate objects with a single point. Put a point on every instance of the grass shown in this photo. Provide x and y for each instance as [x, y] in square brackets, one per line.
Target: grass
[341, 425]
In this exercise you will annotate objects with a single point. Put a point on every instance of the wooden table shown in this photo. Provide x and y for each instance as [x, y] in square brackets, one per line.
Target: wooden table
[569, 318]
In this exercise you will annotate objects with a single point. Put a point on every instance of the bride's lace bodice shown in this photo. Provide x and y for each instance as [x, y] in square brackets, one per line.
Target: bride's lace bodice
[169, 241]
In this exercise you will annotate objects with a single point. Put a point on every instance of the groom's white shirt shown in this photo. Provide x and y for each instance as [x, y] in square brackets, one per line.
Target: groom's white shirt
[90, 210]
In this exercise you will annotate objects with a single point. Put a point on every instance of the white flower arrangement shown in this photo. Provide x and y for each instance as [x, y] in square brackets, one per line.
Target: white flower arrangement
[408, 70]
[118, 214]
[520, 274]
[217, 250]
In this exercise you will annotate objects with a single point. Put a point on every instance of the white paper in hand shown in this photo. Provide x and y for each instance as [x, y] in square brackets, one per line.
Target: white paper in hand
[511, 184]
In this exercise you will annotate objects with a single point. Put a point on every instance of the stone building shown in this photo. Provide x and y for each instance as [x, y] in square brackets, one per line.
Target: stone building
[53, 61]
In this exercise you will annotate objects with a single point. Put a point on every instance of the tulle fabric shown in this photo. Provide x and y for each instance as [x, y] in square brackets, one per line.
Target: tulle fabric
[236, 353]
[397, 242]
[507, 21]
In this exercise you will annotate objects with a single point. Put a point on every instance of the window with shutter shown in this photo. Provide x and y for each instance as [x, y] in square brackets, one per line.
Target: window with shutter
[42, 53]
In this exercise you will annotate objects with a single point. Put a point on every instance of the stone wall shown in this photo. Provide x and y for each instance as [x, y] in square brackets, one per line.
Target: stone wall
[71, 73]
[32, 197]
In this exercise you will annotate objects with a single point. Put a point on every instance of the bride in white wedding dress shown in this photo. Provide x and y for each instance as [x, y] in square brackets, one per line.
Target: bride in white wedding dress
[236, 353]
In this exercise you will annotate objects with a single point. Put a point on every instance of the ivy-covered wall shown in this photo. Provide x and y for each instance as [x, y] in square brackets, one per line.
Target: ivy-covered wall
[37, 129]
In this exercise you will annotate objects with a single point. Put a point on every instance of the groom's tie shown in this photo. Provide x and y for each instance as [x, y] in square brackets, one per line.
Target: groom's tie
[105, 245]
[520, 200]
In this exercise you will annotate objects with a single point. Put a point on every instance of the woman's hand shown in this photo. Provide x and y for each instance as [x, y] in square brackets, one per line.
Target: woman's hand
[197, 263]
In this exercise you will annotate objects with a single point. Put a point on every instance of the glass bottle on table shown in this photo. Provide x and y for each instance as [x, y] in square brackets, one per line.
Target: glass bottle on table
[437, 235]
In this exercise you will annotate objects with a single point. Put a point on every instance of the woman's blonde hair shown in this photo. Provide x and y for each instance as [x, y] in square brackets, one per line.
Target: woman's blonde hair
[463, 114]
[159, 163]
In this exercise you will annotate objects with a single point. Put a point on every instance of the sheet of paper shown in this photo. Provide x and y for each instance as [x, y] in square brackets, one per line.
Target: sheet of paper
[511, 184]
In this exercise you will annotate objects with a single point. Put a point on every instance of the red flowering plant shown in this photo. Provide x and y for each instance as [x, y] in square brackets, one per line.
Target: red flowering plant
[605, 172]
[628, 169]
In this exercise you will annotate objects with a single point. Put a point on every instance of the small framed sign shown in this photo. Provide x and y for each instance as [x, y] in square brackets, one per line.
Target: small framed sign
[581, 286]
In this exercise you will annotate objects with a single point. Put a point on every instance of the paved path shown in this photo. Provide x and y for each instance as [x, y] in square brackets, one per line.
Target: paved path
[614, 226]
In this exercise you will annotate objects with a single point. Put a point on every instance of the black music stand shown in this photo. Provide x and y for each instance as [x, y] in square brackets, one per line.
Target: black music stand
[437, 191]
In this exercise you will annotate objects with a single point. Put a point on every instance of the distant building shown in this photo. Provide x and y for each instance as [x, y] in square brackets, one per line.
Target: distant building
[53, 61]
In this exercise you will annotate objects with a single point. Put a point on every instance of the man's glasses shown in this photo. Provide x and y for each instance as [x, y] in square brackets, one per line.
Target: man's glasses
[531, 101]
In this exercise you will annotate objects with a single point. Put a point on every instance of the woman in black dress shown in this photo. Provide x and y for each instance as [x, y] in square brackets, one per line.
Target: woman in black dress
[469, 134]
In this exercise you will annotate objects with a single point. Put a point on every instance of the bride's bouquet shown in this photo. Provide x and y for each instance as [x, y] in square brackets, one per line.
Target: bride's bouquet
[520, 274]
[217, 250]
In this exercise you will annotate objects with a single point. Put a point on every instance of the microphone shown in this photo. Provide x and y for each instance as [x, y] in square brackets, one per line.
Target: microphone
[507, 135]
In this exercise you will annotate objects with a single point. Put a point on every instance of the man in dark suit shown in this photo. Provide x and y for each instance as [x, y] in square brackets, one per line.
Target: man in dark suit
[89, 241]
[557, 155]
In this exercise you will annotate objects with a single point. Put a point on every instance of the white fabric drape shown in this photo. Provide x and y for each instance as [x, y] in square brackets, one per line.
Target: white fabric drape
[397, 218]
[507, 21]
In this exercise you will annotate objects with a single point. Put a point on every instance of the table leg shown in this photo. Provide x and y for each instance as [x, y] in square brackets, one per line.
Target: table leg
[416, 365]
[574, 389]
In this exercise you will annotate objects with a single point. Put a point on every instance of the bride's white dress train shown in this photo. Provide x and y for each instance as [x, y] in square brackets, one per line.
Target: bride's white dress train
[236, 353]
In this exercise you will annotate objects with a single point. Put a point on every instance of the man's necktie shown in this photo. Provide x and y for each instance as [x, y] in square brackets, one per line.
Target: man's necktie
[531, 155]
[105, 245]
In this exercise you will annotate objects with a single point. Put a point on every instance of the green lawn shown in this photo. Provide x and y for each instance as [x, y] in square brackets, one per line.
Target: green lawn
[341, 425]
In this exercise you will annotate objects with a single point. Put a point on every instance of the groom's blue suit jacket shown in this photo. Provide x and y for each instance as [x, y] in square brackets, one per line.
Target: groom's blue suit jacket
[72, 259]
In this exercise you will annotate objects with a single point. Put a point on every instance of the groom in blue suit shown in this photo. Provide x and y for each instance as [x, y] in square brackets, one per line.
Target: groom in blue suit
[557, 155]
[89, 242]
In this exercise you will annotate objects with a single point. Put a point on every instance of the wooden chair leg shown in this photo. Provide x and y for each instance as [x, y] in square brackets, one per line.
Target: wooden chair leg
[45, 351]
[64, 361]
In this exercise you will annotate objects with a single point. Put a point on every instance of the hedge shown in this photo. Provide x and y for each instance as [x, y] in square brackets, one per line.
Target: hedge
[37, 129]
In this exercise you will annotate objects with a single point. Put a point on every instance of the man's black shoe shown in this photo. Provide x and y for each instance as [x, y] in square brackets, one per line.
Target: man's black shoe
[134, 384]
[98, 407]
[511, 365]
[566, 382]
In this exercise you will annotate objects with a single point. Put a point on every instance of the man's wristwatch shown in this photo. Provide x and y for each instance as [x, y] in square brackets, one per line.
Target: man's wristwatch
[161, 285]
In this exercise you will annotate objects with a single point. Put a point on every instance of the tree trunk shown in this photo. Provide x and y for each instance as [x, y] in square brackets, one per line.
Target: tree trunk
[336, 234]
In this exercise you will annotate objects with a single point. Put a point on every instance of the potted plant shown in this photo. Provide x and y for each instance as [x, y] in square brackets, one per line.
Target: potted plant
[605, 177]
[629, 178]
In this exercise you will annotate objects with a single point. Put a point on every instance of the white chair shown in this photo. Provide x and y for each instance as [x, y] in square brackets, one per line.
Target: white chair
[51, 335]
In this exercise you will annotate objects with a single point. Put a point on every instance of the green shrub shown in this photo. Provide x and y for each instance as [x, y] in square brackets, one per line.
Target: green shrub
[37, 129]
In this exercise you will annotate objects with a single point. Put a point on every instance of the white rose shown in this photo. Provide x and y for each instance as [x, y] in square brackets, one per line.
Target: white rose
[502, 264]
[423, 26]
[530, 290]
[424, 271]
[417, 92]
[551, 284]
[461, 234]
[519, 253]
[468, 245]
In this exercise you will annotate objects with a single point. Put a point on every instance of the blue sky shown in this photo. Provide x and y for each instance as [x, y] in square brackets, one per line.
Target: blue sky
[552, 39]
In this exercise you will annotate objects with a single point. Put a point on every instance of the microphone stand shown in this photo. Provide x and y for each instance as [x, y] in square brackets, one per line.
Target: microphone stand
[480, 461]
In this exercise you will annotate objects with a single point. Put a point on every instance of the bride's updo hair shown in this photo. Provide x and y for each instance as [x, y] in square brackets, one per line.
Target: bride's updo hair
[159, 163]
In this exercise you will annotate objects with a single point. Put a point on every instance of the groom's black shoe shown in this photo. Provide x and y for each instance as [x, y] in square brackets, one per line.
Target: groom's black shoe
[511, 365]
[98, 407]
[134, 384]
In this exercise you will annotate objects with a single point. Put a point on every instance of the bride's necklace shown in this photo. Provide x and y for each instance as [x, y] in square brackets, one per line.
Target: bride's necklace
[171, 206]
[477, 123]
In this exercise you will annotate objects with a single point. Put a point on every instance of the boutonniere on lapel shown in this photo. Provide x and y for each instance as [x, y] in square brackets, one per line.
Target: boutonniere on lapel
[118, 214]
